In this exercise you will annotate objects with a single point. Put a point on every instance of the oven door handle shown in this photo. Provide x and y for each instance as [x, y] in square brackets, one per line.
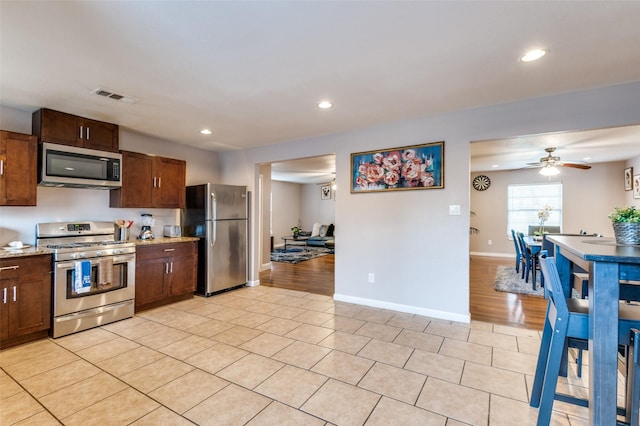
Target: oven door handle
[93, 312]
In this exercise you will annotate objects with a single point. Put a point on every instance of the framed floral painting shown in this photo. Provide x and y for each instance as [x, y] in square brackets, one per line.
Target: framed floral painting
[636, 186]
[398, 169]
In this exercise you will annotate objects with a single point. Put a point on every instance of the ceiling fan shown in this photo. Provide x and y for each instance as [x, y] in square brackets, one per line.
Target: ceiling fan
[550, 164]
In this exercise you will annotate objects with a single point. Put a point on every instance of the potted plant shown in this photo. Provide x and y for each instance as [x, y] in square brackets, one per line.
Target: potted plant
[295, 231]
[626, 225]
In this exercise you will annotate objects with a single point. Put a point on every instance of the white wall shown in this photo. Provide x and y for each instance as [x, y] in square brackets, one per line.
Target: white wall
[418, 252]
[314, 209]
[588, 198]
[60, 204]
[286, 209]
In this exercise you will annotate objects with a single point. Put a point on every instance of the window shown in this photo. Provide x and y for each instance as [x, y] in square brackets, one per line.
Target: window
[524, 202]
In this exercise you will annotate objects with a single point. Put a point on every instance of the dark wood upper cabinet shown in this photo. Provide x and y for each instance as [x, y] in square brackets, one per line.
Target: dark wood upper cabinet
[67, 129]
[18, 169]
[150, 181]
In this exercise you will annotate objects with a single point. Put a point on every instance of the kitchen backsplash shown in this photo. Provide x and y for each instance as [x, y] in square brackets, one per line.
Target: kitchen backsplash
[70, 204]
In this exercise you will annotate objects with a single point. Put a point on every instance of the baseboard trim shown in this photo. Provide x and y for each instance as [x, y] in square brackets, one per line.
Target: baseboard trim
[449, 316]
[489, 254]
[265, 267]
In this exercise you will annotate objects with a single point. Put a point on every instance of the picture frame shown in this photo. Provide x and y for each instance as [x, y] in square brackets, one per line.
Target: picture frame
[628, 179]
[325, 192]
[398, 169]
[636, 186]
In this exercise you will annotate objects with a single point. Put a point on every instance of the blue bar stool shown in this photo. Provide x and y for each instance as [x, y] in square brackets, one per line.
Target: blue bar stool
[567, 323]
[633, 379]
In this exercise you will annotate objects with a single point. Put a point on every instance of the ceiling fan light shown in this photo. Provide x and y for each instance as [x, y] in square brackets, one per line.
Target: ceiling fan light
[549, 171]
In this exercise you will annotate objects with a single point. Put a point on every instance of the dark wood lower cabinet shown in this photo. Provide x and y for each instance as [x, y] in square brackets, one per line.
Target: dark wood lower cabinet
[165, 273]
[25, 291]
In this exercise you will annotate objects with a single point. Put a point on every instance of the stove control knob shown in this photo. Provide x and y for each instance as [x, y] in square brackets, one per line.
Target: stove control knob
[83, 254]
[119, 251]
[99, 253]
[74, 255]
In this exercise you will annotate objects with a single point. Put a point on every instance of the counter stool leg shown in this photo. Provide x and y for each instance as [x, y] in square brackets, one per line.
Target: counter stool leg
[633, 379]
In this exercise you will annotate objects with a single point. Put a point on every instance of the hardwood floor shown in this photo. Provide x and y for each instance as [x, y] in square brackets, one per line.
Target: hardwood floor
[314, 275]
[485, 304]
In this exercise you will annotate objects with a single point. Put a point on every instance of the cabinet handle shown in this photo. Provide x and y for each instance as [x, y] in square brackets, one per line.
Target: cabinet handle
[1, 167]
[159, 182]
[15, 293]
[172, 267]
[87, 132]
[81, 131]
[4, 295]
[166, 268]
[9, 268]
[170, 249]
[154, 181]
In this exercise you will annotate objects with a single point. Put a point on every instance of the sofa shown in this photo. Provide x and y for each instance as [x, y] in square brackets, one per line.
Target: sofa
[320, 235]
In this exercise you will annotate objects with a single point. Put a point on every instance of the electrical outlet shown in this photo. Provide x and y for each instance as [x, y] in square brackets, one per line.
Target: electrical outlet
[490, 242]
[372, 277]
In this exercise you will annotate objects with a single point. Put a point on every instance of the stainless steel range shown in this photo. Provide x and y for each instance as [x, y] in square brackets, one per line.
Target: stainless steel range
[94, 275]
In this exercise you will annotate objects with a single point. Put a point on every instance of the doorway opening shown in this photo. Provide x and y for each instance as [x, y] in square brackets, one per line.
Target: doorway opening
[298, 193]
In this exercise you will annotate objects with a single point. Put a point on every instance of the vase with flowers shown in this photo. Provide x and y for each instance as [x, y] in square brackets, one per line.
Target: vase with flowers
[543, 216]
[295, 231]
[626, 225]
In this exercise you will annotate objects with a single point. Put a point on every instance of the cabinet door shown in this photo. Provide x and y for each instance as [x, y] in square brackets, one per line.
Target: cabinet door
[100, 135]
[5, 285]
[57, 127]
[170, 183]
[137, 182]
[151, 280]
[183, 275]
[30, 305]
[18, 169]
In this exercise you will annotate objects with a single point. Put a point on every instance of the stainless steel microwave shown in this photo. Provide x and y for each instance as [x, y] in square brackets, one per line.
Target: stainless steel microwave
[70, 166]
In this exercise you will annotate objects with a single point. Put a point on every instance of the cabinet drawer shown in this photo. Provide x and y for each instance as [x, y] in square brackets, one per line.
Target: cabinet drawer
[166, 250]
[25, 266]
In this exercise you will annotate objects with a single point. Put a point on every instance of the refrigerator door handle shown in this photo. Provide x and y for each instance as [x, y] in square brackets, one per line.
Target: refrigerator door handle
[211, 233]
[214, 206]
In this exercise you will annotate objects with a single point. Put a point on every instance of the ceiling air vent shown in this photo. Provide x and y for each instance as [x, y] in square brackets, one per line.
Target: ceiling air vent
[115, 96]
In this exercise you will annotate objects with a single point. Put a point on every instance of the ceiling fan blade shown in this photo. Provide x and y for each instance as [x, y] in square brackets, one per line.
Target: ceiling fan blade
[537, 164]
[576, 166]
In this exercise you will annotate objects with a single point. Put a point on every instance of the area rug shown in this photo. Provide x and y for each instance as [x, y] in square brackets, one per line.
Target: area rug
[508, 280]
[298, 254]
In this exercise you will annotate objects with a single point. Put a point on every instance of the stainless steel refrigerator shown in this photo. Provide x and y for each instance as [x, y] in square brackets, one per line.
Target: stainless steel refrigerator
[218, 215]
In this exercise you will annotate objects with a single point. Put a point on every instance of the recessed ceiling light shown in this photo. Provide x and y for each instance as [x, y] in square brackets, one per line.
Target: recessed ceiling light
[324, 105]
[533, 55]
[586, 158]
[205, 131]
[495, 166]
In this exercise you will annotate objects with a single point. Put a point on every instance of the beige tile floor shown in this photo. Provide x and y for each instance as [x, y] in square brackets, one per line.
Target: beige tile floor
[266, 356]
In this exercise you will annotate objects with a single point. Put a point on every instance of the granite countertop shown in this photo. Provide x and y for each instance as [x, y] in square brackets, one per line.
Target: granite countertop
[30, 251]
[35, 251]
[164, 240]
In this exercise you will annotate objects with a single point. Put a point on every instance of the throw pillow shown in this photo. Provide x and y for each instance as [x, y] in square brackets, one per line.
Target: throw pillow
[315, 231]
[323, 230]
[330, 230]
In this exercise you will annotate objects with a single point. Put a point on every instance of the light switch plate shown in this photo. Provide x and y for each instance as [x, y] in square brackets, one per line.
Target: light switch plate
[454, 210]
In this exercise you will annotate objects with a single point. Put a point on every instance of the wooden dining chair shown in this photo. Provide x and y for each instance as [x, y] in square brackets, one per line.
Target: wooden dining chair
[528, 262]
[518, 252]
[566, 323]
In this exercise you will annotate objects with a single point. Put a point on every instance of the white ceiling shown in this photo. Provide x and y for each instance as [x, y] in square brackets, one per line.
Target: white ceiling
[253, 72]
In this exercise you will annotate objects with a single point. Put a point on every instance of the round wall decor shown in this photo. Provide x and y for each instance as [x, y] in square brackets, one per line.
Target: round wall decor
[481, 182]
